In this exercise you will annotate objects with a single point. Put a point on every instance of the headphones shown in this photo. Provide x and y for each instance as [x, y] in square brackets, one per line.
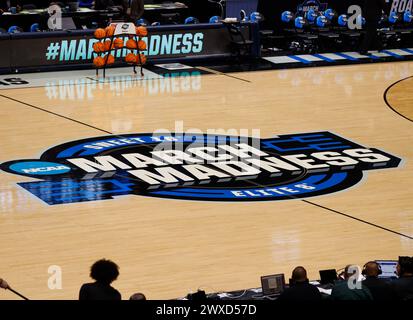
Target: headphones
[364, 271]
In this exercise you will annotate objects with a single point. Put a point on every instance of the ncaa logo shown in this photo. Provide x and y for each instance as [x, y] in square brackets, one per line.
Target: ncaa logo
[39, 168]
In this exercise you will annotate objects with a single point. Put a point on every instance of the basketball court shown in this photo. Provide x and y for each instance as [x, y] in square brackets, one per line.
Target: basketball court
[168, 247]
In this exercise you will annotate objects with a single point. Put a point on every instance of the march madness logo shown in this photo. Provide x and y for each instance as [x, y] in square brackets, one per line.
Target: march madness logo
[199, 167]
[312, 4]
[67, 50]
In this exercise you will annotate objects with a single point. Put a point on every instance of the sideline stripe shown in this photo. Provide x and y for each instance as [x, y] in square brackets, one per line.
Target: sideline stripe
[393, 54]
[345, 56]
[300, 59]
[323, 58]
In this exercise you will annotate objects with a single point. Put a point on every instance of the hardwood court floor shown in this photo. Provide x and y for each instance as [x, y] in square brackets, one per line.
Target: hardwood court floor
[166, 248]
[398, 100]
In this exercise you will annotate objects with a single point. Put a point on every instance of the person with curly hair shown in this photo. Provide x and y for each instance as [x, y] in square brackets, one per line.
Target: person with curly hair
[104, 272]
[4, 284]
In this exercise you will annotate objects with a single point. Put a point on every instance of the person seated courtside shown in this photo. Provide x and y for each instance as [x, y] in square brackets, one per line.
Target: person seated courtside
[300, 288]
[403, 286]
[4, 284]
[380, 289]
[350, 288]
[104, 272]
[138, 297]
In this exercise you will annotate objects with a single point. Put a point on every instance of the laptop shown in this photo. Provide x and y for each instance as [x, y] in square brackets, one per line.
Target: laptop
[273, 285]
[328, 276]
[388, 268]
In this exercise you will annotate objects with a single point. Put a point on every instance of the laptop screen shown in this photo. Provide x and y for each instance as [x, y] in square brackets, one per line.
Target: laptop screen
[328, 276]
[272, 284]
[388, 268]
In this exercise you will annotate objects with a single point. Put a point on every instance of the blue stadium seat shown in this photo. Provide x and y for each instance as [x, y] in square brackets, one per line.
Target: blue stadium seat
[14, 29]
[215, 19]
[35, 27]
[191, 20]
[142, 22]
[256, 17]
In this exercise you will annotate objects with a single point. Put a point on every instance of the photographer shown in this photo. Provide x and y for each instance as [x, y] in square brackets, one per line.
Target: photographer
[372, 12]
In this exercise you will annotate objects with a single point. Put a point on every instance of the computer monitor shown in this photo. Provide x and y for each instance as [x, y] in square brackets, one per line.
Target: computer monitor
[328, 276]
[388, 268]
[272, 284]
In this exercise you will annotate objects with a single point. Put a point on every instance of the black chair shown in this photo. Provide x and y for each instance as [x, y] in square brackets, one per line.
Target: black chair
[240, 46]
[270, 40]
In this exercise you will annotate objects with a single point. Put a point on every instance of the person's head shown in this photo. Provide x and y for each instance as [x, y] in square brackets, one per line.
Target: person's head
[349, 271]
[104, 271]
[371, 269]
[137, 296]
[4, 284]
[299, 275]
[405, 267]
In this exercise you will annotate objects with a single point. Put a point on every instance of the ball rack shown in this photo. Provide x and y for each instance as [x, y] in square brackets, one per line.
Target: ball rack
[121, 30]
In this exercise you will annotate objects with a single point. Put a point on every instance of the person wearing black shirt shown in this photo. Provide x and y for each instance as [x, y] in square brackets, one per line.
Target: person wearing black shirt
[403, 286]
[300, 289]
[104, 272]
[343, 291]
[379, 288]
[372, 12]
